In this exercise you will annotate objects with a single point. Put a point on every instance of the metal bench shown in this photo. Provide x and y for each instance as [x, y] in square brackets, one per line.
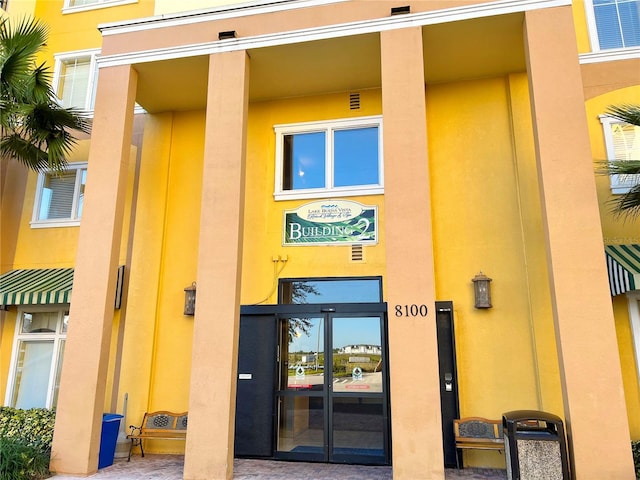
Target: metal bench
[478, 433]
[160, 425]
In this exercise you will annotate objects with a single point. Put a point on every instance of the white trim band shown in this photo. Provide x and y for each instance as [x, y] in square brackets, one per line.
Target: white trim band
[502, 7]
[257, 7]
[610, 55]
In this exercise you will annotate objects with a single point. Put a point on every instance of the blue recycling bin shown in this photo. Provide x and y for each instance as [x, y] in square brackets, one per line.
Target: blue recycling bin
[108, 438]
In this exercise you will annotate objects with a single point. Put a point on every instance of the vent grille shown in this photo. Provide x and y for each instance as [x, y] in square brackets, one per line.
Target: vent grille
[354, 101]
[401, 10]
[357, 253]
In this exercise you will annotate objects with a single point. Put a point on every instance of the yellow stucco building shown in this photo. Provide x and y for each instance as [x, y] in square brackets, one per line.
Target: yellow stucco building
[330, 175]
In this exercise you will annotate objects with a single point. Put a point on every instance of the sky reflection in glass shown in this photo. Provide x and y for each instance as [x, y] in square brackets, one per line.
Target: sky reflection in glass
[355, 156]
[366, 290]
[354, 159]
[307, 162]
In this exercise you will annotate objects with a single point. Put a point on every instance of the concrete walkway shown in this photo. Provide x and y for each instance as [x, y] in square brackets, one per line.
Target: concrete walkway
[170, 467]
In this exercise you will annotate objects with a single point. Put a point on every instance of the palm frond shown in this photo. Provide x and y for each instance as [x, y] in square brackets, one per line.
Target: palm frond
[625, 113]
[47, 127]
[14, 146]
[36, 131]
[620, 167]
[28, 36]
[628, 204]
[19, 45]
[49, 116]
[40, 84]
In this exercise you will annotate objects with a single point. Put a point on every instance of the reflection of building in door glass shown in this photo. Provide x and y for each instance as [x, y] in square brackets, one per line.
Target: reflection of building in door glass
[372, 349]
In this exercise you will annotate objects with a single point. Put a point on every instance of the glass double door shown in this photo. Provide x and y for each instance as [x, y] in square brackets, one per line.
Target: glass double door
[331, 398]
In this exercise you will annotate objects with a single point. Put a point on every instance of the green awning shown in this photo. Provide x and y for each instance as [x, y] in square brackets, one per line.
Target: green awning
[39, 286]
[623, 265]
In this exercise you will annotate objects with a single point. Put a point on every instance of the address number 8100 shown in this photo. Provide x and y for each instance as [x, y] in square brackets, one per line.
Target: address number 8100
[412, 310]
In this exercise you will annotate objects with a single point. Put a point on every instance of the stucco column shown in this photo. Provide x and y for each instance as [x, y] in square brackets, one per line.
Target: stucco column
[587, 348]
[212, 396]
[415, 392]
[81, 400]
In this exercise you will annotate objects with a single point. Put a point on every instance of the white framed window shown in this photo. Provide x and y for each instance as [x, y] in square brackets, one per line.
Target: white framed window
[72, 6]
[622, 141]
[75, 78]
[321, 159]
[60, 197]
[36, 359]
[613, 23]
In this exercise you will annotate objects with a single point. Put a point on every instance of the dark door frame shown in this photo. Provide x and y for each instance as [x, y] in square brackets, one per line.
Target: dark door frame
[448, 373]
[281, 311]
[319, 308]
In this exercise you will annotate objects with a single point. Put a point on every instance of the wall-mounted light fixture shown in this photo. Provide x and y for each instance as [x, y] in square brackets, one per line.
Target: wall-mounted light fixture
[190, 299]
[482, 290]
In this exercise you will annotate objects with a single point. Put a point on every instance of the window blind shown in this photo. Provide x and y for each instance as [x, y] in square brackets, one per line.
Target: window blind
[626, 141]
[57, 196]
[617, 23]
[626, 146]
[74, 82]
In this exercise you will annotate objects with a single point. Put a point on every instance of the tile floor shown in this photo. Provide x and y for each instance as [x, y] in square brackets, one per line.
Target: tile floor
[169, 467]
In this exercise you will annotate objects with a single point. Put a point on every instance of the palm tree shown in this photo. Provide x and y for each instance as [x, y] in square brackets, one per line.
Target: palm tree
[34, 129]
[628, 204]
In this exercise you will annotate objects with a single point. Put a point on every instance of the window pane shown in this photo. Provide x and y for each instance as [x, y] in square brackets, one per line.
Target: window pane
[608, 27]
[357, 355]
[304, 161]
[305, 354]
[617, 22]
[355, 156]
[358, 426]
[32, 375]
[65, 322]
[626, 141]
[57, 195]
[630, 20]
[331, 291]
[74, 82]
[56, 386]
[83, 182]
[626, 146]
[39, 322]
[301, 424]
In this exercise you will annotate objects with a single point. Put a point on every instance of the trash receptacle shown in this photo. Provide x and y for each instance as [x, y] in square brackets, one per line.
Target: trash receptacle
[535, 446]
[108, 438]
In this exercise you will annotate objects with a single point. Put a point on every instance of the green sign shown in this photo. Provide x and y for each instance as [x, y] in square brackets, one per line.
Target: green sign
[330, 222]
